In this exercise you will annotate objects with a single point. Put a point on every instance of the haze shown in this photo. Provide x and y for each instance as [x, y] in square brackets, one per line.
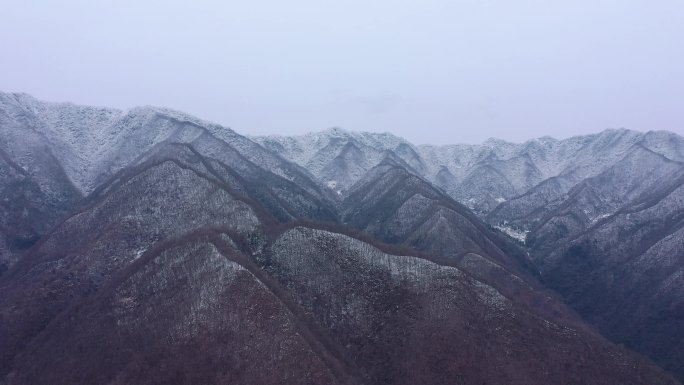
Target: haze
[430, 71]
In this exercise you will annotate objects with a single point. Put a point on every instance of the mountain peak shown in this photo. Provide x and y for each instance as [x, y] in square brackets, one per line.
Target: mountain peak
[493, 142]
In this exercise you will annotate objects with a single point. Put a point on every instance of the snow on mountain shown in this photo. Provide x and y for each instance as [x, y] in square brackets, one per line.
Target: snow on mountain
[481, 176]
[339, 156]
[600, 216]
[92, 143]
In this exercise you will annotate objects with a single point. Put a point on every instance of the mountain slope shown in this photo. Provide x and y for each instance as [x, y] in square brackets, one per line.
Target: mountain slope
[52, 154]
[35, 191]
[549, 194]
[480, 176]
[223, 327]
[200, 256]
[395, 206]
[558, 209]
[337, 157]
[439, 316]
[626, 272]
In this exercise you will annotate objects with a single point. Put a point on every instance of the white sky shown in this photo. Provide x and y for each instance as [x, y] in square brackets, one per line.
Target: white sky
[432, 71]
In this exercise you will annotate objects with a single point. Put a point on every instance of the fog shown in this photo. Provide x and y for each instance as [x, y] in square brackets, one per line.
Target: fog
[432, 71]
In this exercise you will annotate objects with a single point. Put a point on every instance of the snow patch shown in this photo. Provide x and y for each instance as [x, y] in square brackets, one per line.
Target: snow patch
[519, 235]
[139, 253]
[333, 185]
[598, 218]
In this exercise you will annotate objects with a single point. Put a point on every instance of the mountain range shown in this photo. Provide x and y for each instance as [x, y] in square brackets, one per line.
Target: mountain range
[150, 246]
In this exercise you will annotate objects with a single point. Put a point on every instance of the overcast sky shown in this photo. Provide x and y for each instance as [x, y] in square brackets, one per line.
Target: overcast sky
[432, 71]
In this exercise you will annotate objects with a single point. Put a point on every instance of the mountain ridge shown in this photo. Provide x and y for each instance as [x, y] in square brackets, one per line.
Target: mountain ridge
[170, 215]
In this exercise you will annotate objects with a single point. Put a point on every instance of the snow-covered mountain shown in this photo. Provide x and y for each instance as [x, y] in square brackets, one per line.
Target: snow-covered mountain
[93, 143]
[199, 255]
[571, 201]
[54, 154]
[480, 176]
[340, 158]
